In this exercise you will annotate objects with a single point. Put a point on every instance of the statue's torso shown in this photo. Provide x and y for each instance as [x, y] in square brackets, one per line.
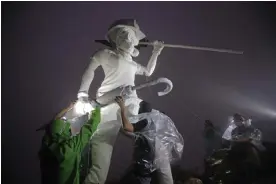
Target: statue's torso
[119, 71]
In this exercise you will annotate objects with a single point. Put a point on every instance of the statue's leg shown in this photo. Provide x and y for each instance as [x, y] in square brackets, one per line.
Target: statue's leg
[164, 172]
[102, 143]
[163, 166]
[132, 104]
[104, 139]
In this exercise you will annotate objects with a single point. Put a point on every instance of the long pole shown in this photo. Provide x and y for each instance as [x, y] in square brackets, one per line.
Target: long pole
[195, 48]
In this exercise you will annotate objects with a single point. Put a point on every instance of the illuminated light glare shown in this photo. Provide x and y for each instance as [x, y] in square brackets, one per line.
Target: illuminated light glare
[241, 102]
[82, 108]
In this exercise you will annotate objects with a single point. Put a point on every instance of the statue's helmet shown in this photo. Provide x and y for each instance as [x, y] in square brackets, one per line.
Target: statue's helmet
[124, 23]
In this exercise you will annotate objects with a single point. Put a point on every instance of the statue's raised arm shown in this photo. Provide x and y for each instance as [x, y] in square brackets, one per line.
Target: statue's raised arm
[148, 71]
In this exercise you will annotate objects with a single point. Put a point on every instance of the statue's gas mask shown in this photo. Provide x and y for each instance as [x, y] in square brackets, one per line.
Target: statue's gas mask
[126, 41]
[124, 35]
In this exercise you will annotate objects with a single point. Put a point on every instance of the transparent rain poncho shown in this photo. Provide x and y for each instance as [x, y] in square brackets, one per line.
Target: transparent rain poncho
[168, 142]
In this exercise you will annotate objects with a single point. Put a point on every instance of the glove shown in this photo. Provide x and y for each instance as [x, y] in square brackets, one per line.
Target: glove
[83, 96]
[158, 47]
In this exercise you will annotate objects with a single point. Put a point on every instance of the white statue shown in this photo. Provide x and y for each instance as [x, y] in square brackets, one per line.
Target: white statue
[120, 71]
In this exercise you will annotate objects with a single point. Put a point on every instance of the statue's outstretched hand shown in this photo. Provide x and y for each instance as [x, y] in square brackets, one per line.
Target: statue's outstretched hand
[158, 46]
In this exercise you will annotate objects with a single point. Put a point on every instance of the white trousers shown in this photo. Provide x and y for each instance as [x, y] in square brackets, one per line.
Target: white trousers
[104, 139]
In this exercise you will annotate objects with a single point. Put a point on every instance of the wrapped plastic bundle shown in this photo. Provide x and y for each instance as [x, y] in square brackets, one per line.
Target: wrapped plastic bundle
[163, 136]
[248, 132]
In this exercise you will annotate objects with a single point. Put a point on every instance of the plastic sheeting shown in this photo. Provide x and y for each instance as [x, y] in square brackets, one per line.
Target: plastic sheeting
[169, 143]
[247, 131]
[250, 132]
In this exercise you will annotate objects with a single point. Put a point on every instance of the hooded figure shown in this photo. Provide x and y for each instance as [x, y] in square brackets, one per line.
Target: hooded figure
[60, 153]
[120, 71]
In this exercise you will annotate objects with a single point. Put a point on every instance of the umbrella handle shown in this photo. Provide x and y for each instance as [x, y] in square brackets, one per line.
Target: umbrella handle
[157, 81]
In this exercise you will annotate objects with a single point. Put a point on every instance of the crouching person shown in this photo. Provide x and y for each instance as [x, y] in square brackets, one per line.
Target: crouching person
[60, 153]
[145, 148]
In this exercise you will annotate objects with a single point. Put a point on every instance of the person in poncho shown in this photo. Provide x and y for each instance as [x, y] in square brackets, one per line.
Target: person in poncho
[60, 153]
[149, 155]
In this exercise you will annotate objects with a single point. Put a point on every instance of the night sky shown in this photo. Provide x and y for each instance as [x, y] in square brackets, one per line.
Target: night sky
[46, 47]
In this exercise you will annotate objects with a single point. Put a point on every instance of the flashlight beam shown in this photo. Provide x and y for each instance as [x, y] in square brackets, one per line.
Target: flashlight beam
[195, 48]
